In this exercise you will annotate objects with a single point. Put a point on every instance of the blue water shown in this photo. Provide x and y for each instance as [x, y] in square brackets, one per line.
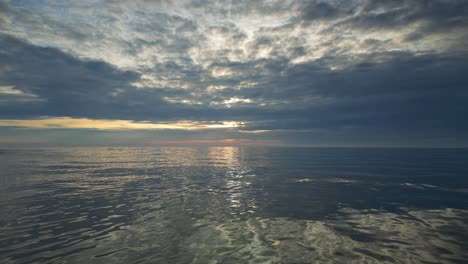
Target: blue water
[233, 205]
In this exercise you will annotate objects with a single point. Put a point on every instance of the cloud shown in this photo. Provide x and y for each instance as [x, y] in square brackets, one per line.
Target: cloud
[354, 66]
[66, 85]
[324, 10]
[399, 88]
[113, 124]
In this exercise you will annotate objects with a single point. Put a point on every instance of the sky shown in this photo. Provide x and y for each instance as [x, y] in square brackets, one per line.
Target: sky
[291, 73]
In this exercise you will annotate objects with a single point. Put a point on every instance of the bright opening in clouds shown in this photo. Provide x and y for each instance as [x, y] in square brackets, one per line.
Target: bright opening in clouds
[319, 73]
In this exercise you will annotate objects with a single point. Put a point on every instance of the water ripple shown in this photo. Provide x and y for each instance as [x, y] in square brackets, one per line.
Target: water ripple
[232, 205]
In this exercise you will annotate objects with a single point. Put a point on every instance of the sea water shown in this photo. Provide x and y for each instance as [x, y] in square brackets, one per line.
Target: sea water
[233, 205]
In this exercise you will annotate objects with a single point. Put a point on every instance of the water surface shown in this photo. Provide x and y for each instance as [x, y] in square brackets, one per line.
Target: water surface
[233, 205]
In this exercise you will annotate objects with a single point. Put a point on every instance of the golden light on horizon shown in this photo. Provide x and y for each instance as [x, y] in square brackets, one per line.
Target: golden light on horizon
[107, 124]
[227, 141]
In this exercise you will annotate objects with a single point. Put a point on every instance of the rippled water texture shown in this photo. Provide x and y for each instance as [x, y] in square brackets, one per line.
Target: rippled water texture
[233, 205]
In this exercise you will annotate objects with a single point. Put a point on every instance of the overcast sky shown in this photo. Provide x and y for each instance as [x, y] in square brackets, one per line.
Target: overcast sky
[309, 73]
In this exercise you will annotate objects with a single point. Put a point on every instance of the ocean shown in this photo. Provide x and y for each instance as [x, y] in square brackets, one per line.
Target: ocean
[233, 205]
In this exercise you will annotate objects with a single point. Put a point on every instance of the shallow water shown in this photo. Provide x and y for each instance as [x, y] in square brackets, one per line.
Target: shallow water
[233, 205]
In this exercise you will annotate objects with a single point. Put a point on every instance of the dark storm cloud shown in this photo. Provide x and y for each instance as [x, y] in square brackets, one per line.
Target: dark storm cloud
[67, 86]
[396, 89]
[323, 10]
[63, 85]
[428, 16]
[385, 90]
[61, 80]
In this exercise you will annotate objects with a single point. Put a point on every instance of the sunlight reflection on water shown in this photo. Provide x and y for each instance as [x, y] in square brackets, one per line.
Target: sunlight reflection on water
[233, 205]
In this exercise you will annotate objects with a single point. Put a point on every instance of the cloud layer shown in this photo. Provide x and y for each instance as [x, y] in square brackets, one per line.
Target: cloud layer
[338, 67]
